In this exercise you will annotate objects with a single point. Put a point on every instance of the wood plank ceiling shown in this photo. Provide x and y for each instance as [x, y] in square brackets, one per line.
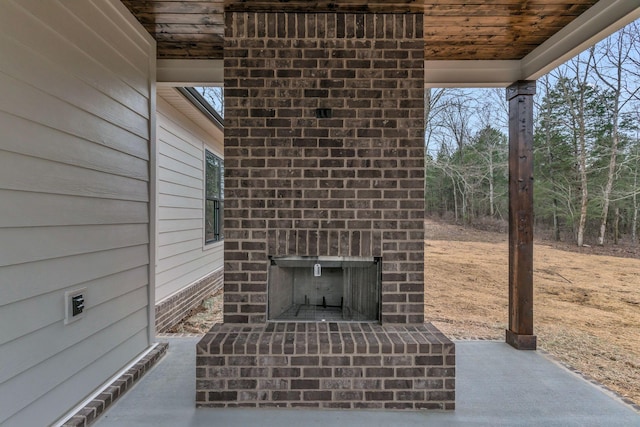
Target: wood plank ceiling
[453, 29]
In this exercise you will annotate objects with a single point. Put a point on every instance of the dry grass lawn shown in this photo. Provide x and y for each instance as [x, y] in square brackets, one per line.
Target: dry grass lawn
[586, 307]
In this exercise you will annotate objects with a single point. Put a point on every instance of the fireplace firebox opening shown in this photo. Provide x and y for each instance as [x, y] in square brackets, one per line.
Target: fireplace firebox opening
[305, 288]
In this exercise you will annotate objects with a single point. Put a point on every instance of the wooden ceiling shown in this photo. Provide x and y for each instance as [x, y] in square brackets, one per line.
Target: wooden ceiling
[453, 29]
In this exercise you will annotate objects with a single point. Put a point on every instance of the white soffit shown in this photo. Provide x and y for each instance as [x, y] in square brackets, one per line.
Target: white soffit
[597, 23]
[600, 21]
[184, 106]
[190, 72]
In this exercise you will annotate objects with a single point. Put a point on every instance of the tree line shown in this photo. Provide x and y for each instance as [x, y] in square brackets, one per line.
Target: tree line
[586, 147]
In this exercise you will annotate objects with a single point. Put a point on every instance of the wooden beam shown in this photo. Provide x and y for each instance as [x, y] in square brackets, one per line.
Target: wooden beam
[520, 333]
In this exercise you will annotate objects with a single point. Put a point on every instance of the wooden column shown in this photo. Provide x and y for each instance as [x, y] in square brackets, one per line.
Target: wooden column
[520, 332]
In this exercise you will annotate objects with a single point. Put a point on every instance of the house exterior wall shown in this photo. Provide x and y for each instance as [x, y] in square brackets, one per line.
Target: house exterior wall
[187, 268]
[349, 185]
[76, 96]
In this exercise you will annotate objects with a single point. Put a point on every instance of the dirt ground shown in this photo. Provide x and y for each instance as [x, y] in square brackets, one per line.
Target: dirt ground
[201, 319]
[586, 306]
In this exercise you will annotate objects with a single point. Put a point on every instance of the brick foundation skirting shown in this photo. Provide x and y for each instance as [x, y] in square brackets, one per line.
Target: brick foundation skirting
[174, 309]
[326, 365]
[88, 415]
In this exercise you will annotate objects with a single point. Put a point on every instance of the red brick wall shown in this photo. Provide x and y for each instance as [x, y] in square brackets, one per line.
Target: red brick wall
[349, 185]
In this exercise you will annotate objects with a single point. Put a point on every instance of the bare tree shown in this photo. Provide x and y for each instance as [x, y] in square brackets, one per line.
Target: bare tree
[575, 96]
[214, 95]
[456, 118]
[491, 147]
[608, 61]
[433, 105]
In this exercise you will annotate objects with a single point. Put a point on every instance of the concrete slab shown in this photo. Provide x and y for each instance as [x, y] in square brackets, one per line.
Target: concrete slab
[496, 386]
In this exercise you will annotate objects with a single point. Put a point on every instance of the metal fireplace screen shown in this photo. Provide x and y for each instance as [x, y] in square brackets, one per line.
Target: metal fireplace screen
[324, 288]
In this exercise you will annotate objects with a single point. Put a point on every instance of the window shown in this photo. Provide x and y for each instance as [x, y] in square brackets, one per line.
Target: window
[214, 198]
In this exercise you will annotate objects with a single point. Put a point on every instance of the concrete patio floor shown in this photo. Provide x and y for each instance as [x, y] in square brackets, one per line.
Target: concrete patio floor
[495, 386]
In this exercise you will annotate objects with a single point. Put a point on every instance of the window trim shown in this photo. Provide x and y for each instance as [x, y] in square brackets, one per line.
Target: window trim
[218, 202]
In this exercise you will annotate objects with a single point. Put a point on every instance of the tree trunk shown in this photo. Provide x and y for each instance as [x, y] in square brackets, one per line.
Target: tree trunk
[464, 207]
[615, 56]
[583, 184]
[634, 222]
[616, 229]
[583, 217]
[610, 177]
[615, 139]
[577, 109]
[491, 195]
[455, 199]
[556, 222]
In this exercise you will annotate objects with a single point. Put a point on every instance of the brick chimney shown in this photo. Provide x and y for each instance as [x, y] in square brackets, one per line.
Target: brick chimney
[324, 151]
[324, 157]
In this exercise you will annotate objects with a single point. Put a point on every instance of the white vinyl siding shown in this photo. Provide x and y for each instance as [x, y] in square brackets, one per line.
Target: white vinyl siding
[76, 96]
[182, 257]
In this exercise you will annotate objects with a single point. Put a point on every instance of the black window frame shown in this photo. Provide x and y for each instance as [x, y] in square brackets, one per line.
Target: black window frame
[214, 199]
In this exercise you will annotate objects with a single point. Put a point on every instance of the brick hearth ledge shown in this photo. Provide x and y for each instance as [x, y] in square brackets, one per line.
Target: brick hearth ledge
[326, 365]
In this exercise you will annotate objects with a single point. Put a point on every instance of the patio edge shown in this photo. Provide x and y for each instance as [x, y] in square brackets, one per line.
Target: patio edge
[88, 414]
[588, 378]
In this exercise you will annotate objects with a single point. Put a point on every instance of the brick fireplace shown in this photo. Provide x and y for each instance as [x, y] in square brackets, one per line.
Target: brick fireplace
[324, 158]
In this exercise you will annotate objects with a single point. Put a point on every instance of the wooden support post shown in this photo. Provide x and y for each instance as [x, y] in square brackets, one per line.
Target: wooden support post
[520, 332]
